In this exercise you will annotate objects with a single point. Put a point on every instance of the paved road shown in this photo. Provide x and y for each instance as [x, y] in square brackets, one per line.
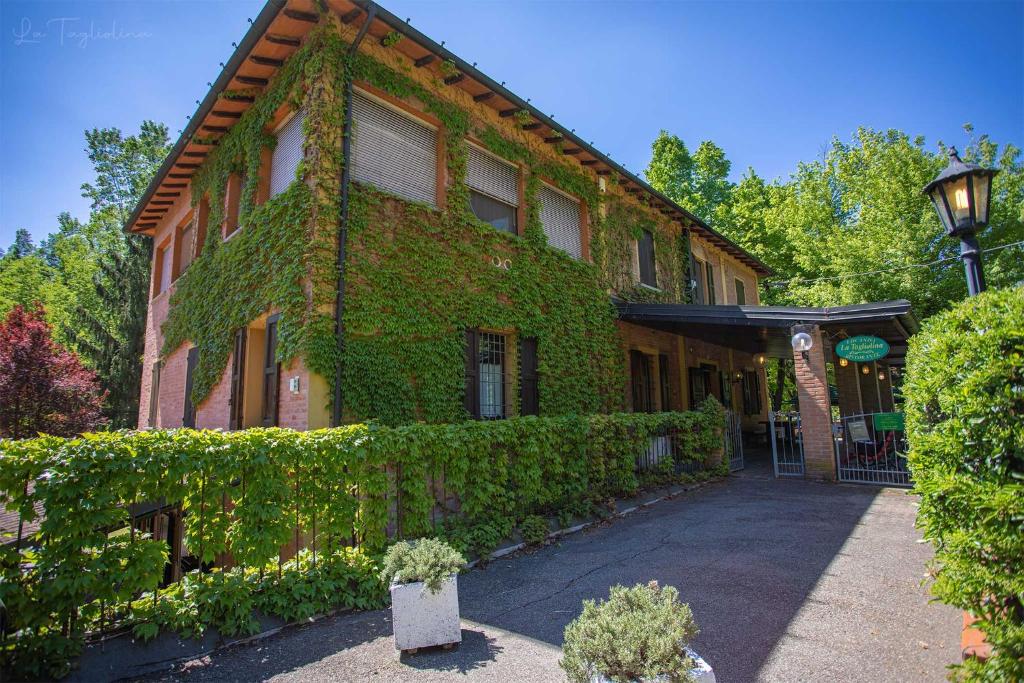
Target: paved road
[788, 580]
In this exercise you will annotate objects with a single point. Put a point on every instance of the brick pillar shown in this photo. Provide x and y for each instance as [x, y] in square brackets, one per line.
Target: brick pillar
[815, 409]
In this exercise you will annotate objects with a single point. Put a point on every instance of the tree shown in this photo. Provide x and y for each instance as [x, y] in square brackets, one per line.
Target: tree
[111, 334]
[698, 182]
[23, 245]
[45, 387]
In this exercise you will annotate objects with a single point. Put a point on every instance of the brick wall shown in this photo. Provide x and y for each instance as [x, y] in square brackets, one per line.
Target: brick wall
[815, 409]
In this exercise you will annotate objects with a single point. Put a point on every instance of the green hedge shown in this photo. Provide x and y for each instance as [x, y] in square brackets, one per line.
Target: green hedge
[248, 492]
[965, 420]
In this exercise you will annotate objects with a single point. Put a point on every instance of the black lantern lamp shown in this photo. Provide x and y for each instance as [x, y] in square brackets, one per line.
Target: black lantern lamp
[961, 196]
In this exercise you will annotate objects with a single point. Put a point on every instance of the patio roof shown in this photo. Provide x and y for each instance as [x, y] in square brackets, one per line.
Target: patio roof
[766, 329]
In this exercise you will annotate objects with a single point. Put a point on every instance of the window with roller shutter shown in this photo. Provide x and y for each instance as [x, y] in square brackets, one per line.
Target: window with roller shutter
[560, 217]
[493, 188]
[392, 151]
[288, 152]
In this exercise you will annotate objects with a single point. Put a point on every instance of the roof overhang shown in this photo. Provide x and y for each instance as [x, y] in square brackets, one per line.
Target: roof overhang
[279, 30]
[766, 329]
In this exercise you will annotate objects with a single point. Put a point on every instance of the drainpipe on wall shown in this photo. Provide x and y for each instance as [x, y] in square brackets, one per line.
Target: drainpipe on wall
[345, 181]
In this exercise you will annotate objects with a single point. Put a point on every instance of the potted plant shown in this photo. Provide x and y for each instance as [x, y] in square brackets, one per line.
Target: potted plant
[424, 593]
[638, 634]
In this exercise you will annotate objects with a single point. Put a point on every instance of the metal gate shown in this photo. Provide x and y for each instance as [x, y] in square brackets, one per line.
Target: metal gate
[871, 448]
[785, 433]
[733, 441]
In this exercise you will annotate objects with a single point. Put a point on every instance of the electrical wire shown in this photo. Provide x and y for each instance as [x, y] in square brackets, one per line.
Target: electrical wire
[797, 281]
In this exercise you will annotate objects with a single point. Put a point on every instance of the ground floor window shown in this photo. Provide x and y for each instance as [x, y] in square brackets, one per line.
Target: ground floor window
[188, 418]
[488, 391]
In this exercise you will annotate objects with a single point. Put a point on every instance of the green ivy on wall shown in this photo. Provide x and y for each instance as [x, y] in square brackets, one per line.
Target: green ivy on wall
[417, 276]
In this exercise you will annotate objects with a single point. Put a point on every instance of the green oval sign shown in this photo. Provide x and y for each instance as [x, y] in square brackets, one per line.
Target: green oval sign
[862, 348]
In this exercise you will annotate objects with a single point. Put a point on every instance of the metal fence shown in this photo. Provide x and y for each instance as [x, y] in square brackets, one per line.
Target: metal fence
[665, 444]
[734, 441]
[871, 449]
[786, 436]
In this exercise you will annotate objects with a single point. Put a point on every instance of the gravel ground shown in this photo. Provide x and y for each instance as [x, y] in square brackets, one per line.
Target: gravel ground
[788, 580]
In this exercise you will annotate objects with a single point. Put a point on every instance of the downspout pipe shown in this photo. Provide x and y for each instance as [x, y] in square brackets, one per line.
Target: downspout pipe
[345, 181]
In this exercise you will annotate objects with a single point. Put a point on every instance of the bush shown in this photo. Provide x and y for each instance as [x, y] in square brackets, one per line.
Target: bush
[246, 492]
[637, 634]
[534, 530]
[428, 560]
[965, 421]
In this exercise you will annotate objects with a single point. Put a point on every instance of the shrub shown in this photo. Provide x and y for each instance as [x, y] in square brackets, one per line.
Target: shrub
[965, 421]
[429, 560]
[637, 634]
[534, 529]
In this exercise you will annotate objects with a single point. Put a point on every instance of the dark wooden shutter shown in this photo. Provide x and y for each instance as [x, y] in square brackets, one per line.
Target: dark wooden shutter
[645, 254]
[698, 392]
[271, 375]
[696, 280]
[741, 292]
[238, 380]
[154, 394]
[188, 419]
[663, 380]
[472, 377]
[529, 395]
[711, 283]
[643, 387]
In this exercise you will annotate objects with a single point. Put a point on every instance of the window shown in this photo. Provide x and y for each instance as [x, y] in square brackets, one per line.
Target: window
[183, 246]
[529, 396]
[710, 282]
[751, 392]
[642, 382]
[162, 268]
[271, 375]
[493, 189]
[560, 216]
[236, 400]
[701, 384]
[288, 152]
[188, 418]
[392, 151]
[486, 385]
[741, 293]
[201, 221]
[154, 394]
[233, 204]
[645, 255]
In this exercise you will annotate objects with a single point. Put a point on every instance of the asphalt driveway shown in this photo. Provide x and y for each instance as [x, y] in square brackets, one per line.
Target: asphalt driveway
[788, 581]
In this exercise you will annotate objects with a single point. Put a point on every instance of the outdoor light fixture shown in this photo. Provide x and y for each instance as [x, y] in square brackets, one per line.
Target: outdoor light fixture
[961, 195]
[760, 358]
[865, 370]
[843, 362]
[803, 343]
[881, 375]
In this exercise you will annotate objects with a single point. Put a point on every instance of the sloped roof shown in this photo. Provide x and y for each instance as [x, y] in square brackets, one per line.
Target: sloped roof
[278, 31]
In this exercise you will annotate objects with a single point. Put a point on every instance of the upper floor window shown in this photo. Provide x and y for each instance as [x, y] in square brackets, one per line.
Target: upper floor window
[162, 267]
[560, 217]
[184, 246]
[697, 285]
[741, 292]
[645, 256]
[493, 189]
[393, 151]
[233, 204]
[288, 152]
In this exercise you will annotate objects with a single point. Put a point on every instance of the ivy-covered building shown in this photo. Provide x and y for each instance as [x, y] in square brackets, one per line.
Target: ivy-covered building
[490, 256]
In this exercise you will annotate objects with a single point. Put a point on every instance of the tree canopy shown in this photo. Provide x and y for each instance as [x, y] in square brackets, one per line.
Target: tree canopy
[853, 226]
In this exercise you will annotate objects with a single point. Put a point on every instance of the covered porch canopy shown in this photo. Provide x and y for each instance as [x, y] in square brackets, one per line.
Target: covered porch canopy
[768, 329]
[863, 387]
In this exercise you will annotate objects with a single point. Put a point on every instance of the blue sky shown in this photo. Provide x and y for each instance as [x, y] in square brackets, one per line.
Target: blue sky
[770, 82]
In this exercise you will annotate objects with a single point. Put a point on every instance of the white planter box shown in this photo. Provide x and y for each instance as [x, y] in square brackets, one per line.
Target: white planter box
[424, 619]
[701, 671]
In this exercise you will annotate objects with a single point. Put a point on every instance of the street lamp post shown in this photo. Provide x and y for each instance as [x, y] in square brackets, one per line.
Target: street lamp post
[961, 195]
